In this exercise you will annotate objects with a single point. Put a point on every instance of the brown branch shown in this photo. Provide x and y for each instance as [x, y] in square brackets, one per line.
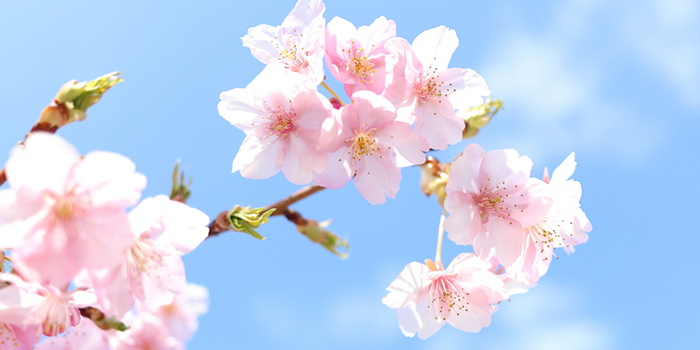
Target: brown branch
[221, 224]
[39, 126]
[282, 205]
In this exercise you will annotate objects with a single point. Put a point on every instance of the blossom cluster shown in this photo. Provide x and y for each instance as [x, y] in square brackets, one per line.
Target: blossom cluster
[74, 249]
[513, 222]
[404, 101]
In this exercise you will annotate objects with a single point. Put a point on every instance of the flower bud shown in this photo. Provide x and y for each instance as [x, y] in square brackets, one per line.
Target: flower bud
[181, 191]
[434, 177]
[246, 220]
[317, 233]
[476, 117]
[73, 100]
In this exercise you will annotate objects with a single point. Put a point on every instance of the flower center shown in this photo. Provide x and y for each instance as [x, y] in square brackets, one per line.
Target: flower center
[363, 144]
[431, 87]
[281, 123]
[57, 315]
[360, 66]
[447, 296]
[142, 257]
[291, 55]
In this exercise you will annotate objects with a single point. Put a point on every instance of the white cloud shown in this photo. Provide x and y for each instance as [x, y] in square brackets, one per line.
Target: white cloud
[559, 85]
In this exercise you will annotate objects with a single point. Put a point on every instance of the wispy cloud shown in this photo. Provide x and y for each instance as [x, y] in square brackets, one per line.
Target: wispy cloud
[562, 79]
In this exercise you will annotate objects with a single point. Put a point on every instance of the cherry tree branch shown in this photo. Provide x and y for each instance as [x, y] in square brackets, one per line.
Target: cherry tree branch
[221, 222]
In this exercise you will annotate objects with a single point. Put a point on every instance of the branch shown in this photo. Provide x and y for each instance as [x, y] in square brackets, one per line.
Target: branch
[221, 222]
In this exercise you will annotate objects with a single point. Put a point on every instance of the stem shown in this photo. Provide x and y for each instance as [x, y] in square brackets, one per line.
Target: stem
[441, 231]
[282, 205]
[220, 223]
[323, 83]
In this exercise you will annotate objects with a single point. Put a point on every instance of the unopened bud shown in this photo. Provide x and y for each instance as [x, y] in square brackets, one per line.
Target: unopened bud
[335, 103]
[317, 233]
[434, 177]
[245, 219]
[73, 99]
[477, 117]
[181, 191]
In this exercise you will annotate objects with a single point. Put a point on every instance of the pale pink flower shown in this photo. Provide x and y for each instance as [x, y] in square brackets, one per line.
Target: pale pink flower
[461, 295]
[64, 212]
[181, 316]
[356, 56]
[426, 91]
[153, 271]
[367, 143]
[283, 126]
[84, 336]
[296, 45]
[147, 332]
[53, 309]
[489, 203]
[564, 226]
[18, 337]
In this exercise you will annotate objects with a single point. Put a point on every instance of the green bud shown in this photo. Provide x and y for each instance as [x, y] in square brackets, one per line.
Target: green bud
[478, 116]
[180, 191]
[74, 99]
[317, 233]
[113, 323]
[246, 220]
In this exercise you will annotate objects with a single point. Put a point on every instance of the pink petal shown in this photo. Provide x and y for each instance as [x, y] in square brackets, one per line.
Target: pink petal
[409, 287]
[376, 178]
[434, 47]
[303, 157]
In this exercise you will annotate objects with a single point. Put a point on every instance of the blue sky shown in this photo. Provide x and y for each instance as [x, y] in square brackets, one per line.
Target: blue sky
[617, 82]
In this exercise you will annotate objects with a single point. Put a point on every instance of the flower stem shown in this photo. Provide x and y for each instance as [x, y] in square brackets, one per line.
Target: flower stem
[323, 83]
[441, 231]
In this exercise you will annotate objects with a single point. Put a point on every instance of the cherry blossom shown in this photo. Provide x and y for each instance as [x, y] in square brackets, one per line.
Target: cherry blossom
[283, 126]
[181, 316]
[147, 332]
[50, 307]
[356, 56]
[490, 204]
[461, 295]
[426, 92]
[371, 146]
[153, 271]
[296, 45]
[65, 212]
[18, 337]
[84, 336]
[564, 226]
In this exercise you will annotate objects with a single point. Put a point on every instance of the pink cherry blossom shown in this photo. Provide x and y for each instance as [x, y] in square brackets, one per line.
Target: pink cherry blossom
[18, 337]
[53, 309]
[356, 56]
[564, 226]
[367, 143]
[426, 91]
[296, 45]
[147, 332]
[283, 126]
[181, 316]
[65, 212]
[153, 271]
[84, 336]
[489, 203]
[461, 295]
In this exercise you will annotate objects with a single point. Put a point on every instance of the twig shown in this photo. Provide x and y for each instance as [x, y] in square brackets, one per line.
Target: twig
[221, 224]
